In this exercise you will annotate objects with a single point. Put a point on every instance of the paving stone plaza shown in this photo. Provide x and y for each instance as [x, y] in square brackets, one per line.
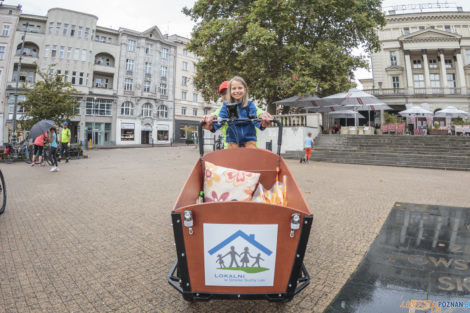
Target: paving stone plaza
[96, 236]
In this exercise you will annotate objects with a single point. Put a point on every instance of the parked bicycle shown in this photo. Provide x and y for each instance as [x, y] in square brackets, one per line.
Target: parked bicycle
[20, 152]
[3, 195]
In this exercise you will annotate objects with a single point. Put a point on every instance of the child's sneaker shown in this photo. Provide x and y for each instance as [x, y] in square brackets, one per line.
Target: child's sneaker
[56, 169]
[52, 169]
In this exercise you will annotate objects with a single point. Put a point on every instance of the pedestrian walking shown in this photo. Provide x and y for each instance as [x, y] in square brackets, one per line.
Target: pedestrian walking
[308, 147]
[38, 147]
[65, 142]
[53, 143]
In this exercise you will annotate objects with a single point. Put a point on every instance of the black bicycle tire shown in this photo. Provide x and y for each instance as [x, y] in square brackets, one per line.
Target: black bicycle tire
[4, 192]
[47, 156]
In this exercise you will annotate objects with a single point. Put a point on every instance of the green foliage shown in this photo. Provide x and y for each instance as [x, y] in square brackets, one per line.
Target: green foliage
[49, 98]
[392, 118]
[460, 121]
[282, 47]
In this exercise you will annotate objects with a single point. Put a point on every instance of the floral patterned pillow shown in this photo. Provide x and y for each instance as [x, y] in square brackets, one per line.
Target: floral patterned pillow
[228, 184]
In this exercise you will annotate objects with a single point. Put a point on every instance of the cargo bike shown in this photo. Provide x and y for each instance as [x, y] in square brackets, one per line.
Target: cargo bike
[273, 236]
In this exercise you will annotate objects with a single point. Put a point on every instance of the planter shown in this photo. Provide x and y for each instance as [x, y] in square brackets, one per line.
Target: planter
[439, 132]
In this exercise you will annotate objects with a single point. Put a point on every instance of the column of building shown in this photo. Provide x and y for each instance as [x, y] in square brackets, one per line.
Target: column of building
[409, 74]
[460, 72]
[427, 81]
[443, 71]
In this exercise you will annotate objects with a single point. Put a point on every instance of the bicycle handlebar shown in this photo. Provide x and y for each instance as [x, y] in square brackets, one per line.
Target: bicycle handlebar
[201, 133]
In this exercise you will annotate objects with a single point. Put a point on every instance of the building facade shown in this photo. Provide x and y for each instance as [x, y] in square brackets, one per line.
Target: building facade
[425, 58]
[133, 87]
[146, 87]
[189, 104]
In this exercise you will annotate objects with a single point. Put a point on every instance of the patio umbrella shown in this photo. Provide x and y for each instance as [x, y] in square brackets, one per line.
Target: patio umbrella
[40, 128]
[415, 111]
[346, 114]
[297, 101]
[353, 99]
[451, 112]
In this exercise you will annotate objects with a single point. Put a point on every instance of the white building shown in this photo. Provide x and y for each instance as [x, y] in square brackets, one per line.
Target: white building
[9, 16]
[189, 104]
[425, 58]
[146, 87]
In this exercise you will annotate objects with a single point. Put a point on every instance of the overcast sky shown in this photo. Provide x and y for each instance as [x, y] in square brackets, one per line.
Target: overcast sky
[166, 14]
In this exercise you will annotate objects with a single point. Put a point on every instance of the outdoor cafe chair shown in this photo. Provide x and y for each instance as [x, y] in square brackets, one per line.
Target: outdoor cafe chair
[384, 128]
[459, 129]
[401, 129]
[466, 129]
[392, 128]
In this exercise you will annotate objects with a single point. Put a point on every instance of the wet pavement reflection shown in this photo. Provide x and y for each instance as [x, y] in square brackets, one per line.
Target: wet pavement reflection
[419, 260]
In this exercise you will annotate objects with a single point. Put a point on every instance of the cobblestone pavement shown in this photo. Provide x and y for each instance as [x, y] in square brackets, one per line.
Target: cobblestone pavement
[96, 236]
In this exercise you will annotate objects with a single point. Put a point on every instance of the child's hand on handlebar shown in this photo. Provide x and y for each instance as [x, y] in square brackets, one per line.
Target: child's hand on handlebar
[266, 119]
[208, 120]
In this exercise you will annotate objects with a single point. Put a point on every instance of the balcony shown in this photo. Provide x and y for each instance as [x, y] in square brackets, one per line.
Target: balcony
[402, 92]
[101, 68]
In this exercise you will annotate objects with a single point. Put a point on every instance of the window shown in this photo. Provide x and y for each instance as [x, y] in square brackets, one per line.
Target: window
[2, 52]
[194, 68]
[72, 31]
[432, 63]
[128, 84]
[206, 111]
[54, 51]
[467, 55]
[194, 112]
[51, 71]
[57, 28]
[395, 82]
[148, 68]
[99, 82]
[83, 54]
[406, 30]
[393, 58]
[110, 40]
[103, 39]
[127, 108]
[448, 63]
[66, 29]
[6, 30]
[76, 54]
[80, 80]
[79, 32]
[164, 53]
[417, 64]
[183, 95]
[185, 52]
[61, 52]
[447, 28]
[69, 52]
[147, 110]
[194, 97]
[418, 80]
[51, 27]
[97, 38]
[74, 78]
[100, 107]
[148, 48]
[163, 89]
[451, 83]
[421, 28]
[129, 65]
[183, 110]
[184, 81]
[435, 80]
[146, 86]
[163, 71]
[66, 76]
[185, 66]
[87, 33]
[130, 45]
[162, 111]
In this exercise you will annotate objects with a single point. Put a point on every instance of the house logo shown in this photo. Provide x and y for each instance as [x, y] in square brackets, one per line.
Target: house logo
[239, 255]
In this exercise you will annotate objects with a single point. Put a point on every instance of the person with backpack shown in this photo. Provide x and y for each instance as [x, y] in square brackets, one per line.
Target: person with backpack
[65, 142]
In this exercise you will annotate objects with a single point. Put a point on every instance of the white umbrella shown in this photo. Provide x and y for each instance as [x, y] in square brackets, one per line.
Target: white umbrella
[451, 112]
[346, 114]
[415, 111]
[297, 101]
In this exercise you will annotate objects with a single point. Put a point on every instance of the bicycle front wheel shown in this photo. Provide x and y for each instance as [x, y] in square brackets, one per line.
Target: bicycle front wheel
[3, 195]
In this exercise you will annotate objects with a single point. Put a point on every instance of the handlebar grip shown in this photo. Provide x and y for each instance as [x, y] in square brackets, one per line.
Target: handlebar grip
[201, 138]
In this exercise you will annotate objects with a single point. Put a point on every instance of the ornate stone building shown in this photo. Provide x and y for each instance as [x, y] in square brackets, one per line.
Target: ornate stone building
[425, 58]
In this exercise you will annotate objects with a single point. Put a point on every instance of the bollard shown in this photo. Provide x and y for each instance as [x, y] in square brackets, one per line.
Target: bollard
[89, 144]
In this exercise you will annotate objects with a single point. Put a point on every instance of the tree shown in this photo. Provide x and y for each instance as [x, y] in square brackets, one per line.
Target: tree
[49, 98]
[282, 47]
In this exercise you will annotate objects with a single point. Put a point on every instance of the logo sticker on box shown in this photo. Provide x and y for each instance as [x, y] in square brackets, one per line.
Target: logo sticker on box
[240, 255]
